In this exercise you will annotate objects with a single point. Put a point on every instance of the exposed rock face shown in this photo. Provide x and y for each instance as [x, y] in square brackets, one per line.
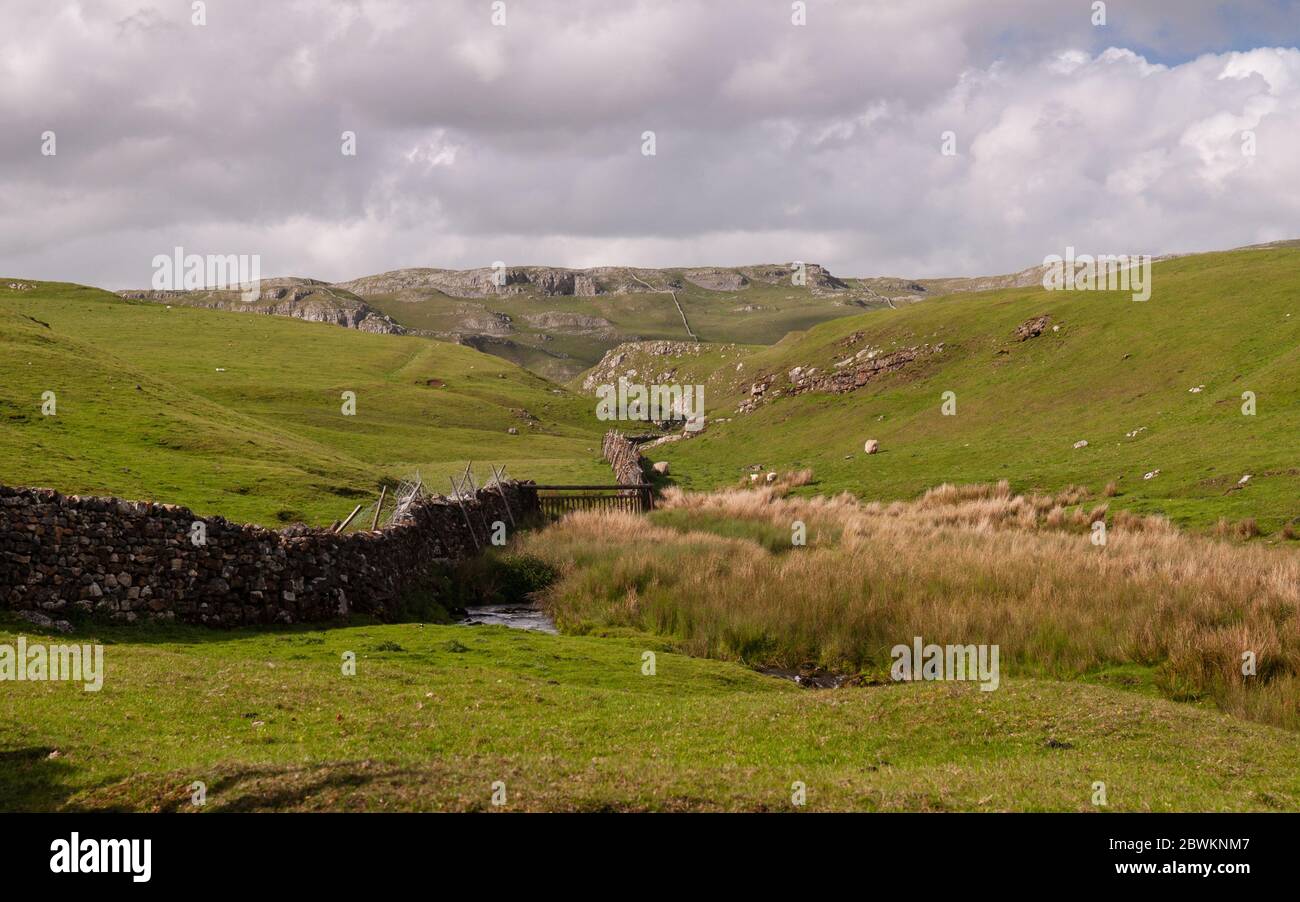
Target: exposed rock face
[815, 276]
[855, 376]
[305, 299]
[585, 286]
[621, 361]
[480, 283]
[479, 321]
[570, 323]
[1032, 328]
[847, 375]
[127, 561]
[716, 279]
[550, 281]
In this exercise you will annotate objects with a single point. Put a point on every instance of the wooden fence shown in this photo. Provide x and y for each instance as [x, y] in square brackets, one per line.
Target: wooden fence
[557, 500]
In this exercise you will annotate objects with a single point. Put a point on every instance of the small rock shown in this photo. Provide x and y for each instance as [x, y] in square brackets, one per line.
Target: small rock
[1082, 443]
[1243, 480]
[36, 618]
[872, 446]
[512, 431]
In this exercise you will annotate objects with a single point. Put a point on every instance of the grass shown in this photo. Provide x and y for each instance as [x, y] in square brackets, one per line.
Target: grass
[435, 715]
[1120, 663]
[1227, 321]
[241, 415]
[960, 566]
[759, 314]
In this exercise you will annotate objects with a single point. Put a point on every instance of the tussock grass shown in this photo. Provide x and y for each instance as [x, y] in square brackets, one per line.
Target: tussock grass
[961, 564]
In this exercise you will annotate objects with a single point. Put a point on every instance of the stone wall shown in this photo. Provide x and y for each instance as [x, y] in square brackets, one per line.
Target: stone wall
[130, 561]
[624, 458]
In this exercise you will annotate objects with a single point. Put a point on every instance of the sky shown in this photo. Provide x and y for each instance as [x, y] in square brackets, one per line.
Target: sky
[916, 138]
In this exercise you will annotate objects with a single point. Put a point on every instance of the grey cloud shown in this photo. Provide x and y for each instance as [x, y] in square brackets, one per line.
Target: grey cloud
[523, 143]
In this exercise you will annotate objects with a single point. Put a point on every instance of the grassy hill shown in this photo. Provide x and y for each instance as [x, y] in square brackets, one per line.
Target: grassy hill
[436, 714]
[1115, 373]
[241, 415]
[560, 335]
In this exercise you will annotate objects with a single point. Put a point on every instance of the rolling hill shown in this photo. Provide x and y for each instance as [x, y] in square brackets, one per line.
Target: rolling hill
[1152, 388]
[242, 415]
[558, 322]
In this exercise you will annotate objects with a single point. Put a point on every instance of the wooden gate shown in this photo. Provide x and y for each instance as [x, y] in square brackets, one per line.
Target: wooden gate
[557, 500]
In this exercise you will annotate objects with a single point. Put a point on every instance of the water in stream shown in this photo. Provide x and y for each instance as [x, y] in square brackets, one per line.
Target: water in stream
[520, 616]
[527, 616]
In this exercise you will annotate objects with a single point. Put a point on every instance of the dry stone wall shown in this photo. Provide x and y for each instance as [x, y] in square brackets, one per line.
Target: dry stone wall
[624, 458]
[131, 561]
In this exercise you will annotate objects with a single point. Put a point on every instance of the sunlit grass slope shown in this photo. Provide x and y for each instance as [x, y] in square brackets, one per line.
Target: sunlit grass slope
[435, 715]
[242, 415]
[1229, 322]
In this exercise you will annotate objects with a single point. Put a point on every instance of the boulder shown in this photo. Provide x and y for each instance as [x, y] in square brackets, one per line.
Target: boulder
[1032, 328]
[36, 618]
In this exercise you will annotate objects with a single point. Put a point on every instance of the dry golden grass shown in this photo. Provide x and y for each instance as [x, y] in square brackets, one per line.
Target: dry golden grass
[968, 564]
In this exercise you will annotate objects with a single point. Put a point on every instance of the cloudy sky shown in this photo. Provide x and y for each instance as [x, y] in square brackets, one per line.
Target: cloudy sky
[522, 142]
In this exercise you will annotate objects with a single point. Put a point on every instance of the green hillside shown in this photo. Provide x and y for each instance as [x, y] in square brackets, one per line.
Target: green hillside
[1228, 321]
[242, 415]
[436, 714]
[560, 336]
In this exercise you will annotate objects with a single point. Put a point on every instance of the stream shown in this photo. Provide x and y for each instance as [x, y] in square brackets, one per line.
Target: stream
[517, 615]
[528, 616]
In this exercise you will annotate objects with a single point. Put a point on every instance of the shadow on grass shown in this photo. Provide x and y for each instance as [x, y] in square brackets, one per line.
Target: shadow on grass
[173, 633]
[30, 780]
[252, 789]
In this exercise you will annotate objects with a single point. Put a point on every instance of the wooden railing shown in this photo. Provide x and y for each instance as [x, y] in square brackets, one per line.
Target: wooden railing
[557, 500]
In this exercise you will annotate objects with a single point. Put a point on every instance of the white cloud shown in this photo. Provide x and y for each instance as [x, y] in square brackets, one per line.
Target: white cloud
[523, 143]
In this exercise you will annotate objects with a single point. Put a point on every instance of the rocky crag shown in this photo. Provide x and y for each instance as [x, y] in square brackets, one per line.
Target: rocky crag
[305, 299]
